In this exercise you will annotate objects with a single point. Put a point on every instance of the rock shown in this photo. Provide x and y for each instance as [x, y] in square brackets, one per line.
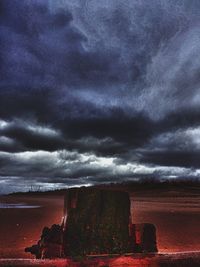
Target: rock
[51, 251]
[146, 237]
[50, 244]
[35, 250]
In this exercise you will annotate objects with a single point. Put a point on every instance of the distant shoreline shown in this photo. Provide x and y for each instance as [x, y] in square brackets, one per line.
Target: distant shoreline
[144, 184]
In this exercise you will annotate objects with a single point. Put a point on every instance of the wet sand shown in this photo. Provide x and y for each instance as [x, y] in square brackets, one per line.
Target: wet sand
[134, 260]
[21, 227]
[175, 214]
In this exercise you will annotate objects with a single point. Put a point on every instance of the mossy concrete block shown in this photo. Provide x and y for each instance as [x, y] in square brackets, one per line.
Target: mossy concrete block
[97, 222]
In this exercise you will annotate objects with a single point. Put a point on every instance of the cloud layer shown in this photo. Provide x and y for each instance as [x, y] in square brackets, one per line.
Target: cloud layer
[98, 91]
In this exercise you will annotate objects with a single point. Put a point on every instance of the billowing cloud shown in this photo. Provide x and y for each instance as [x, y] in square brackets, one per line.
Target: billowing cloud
[98, 91]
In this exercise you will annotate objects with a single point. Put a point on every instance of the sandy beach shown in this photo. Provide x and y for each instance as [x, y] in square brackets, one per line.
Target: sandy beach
[21, 227]
[175, 214]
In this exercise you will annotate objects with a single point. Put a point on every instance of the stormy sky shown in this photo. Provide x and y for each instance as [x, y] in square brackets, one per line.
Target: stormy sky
[98, 91]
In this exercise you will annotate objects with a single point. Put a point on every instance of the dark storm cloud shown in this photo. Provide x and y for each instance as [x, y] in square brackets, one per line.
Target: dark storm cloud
[176, 148]
[115, 124]
[41, 48]
[115, 82]
[186, 159]
[32, 137]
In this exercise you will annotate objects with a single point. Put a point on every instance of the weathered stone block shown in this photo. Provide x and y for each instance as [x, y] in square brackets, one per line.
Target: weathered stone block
[97, 222]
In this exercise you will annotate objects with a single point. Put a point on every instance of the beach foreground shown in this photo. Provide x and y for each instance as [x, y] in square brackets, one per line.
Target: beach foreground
[174, 211]
[191, 259]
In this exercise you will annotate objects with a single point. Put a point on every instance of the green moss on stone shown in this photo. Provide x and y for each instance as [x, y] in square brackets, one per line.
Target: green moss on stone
[98, 224]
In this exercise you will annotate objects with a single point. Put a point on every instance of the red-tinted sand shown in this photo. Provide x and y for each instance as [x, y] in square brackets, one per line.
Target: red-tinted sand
[20, 228]
[135, 260]
[176, 216]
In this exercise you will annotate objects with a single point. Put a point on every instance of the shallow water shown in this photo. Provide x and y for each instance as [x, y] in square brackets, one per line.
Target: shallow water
[17, 206]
